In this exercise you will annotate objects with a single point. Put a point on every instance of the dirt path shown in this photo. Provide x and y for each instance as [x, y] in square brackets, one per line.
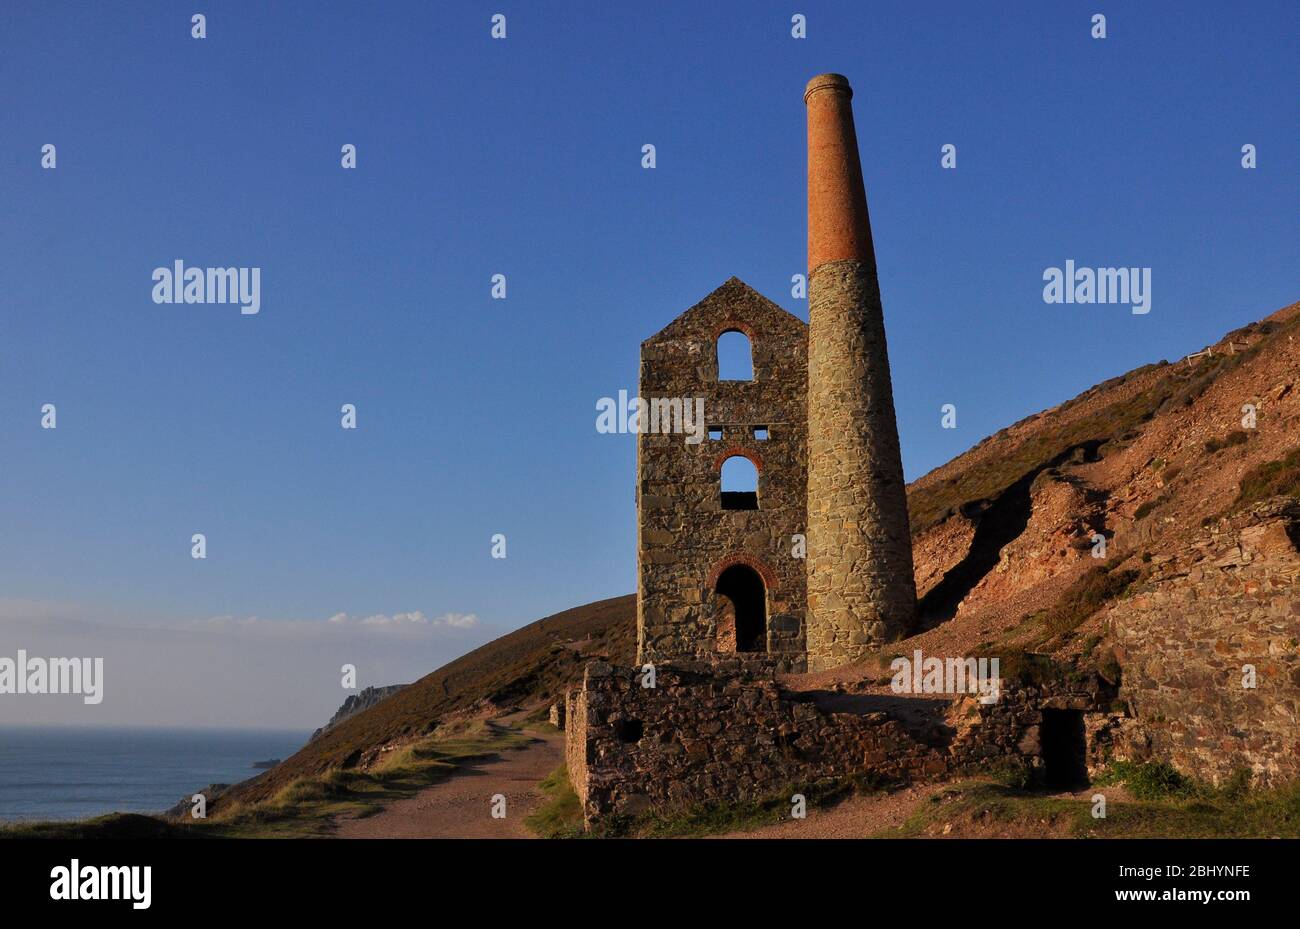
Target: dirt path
[460, 807]
[854, 818]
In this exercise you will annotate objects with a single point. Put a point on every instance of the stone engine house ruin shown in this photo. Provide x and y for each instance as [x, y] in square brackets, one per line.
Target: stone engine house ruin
[807, 568]
[813, 567]
[716, 572]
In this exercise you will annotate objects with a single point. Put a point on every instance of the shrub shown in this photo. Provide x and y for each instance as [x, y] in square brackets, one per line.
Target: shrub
[1086, 596]
[1150, 780]
[1271, 479]
[1237, 437]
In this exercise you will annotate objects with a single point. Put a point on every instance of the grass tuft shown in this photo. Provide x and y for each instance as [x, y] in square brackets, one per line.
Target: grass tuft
[1173, 807]
[560, 817]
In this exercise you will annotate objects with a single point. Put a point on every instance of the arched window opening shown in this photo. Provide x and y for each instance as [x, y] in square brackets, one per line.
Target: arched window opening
[745, 604]
[739, 484]
[735, 357]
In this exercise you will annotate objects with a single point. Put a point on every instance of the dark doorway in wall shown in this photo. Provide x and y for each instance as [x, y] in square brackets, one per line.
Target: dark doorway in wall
[744, 588]
[1064, 746]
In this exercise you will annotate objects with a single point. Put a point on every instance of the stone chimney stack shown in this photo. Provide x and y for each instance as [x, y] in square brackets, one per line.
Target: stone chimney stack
[861, 592]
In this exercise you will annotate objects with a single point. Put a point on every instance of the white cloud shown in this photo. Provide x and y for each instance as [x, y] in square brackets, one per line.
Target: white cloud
[379, 619]
[411, 621]
[414, 618]
[460, 620]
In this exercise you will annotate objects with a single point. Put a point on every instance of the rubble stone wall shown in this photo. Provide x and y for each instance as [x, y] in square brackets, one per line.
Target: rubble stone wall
[702, 738]
[1184, 639]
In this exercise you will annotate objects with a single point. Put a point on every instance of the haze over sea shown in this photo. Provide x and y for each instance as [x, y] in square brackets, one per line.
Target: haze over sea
[74, 773]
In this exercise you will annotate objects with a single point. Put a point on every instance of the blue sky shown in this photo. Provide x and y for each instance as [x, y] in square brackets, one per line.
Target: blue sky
[523, 157]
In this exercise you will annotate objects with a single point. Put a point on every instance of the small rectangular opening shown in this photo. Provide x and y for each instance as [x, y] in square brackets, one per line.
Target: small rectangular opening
[739, 500]
[715, 433]
[760, 433]
[629, 731]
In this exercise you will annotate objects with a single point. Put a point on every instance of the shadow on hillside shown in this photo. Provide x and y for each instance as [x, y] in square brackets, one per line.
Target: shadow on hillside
[999, 522]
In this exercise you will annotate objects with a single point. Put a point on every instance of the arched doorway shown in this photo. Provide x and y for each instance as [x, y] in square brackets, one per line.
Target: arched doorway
[743, 588]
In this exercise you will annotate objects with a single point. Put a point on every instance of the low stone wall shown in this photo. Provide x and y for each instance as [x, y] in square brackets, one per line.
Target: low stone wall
[1230, 600]
[705, 737]
[575, 729]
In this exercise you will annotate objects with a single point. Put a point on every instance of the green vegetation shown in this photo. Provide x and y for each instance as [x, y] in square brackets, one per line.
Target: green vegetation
[1169, 807]
[1095, 589]
[703, 820]
[308, 806]
[1271, 479]
[1151, 780]
[111, 826]
[1024, 651]
[1149, 506]
[560, 817]
[1115, 423]
[1163, 387]
[1148, 780]
[536, 662]
[1026, 667]
[1236, 437]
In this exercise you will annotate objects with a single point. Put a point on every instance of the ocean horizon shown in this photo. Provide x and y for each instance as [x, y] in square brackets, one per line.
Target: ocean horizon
[63, 773]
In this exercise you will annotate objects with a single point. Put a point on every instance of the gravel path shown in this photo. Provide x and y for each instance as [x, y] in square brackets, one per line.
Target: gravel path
[460, 806]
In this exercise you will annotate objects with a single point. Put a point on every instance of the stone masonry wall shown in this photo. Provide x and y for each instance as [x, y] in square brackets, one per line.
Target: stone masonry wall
[684, 537]
[1230, 600]
[700, 738]
[861, 590]
[575, 753]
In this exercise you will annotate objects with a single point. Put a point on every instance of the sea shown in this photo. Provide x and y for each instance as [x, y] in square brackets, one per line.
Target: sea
[59, 773]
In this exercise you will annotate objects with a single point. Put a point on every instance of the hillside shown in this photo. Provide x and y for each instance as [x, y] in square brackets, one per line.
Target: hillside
[1152, 461]
[531, 664]
[1003, 536]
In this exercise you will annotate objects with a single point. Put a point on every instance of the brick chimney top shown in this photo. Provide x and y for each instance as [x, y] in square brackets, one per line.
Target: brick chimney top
[828, 82]
[838, 226]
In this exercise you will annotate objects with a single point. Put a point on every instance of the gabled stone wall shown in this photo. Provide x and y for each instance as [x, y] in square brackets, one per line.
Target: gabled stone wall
[684, 537]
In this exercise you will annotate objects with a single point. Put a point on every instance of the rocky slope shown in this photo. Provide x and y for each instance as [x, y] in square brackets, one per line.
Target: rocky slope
[361, 700]
[1151, 461]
